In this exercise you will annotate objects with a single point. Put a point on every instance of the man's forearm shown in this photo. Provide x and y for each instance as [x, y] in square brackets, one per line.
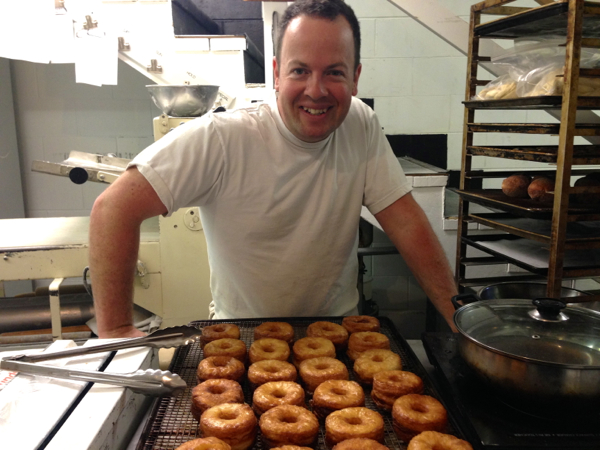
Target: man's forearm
[409, 229]
[114, 243]
[113, 255]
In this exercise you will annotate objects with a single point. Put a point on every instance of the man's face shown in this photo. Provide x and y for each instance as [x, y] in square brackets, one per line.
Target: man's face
[315, 77]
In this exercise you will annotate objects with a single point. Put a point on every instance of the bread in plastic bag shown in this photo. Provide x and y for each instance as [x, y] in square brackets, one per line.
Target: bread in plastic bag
[536, 69]
[503, 87]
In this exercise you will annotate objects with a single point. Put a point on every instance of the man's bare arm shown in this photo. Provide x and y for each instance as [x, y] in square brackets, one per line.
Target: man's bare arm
[114, 243]
[407, 226]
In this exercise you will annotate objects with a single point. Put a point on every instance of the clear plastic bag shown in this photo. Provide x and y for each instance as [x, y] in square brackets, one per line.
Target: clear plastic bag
[545, 80]
[536, 68]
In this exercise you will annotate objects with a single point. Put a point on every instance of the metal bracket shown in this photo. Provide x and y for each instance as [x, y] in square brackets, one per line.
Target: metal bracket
[55, 308]
[123, 45]
[154, 67]
[107, 177]
[142, 272]
[90, 23]
[59, 7]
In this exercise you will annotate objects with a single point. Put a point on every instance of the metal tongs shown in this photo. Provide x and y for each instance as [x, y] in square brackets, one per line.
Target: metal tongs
[148, 382]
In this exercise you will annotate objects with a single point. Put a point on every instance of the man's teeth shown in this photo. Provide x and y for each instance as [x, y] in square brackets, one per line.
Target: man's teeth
[314, 111]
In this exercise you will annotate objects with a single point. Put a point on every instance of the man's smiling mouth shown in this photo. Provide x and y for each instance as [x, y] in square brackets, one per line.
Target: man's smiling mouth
[314, 112]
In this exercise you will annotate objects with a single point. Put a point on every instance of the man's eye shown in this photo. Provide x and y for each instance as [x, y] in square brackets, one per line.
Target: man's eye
[298, 71]
[337, 73]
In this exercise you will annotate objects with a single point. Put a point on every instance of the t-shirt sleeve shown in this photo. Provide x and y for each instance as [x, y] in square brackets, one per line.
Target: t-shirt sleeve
[385, 181]
[184, 167]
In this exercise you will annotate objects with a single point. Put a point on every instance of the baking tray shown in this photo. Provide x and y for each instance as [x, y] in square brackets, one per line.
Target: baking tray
[523, 207]
[546, 20]
[540, 102]
[171, 423]
[533, 256]
[582, 154]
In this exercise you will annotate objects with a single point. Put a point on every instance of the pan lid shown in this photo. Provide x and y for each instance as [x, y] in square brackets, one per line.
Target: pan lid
[542, 330]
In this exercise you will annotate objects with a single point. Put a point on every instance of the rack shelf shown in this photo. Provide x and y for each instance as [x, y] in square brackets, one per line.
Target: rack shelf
[582, 154]
[579, 235]
[547, 20]
[533, 256]
[552, 241]
[545, 102]
[495, 199]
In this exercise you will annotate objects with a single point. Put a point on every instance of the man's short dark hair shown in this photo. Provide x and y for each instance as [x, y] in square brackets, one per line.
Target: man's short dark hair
[326, 9]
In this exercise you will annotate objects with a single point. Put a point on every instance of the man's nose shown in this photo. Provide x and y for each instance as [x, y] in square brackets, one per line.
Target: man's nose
[315, 87]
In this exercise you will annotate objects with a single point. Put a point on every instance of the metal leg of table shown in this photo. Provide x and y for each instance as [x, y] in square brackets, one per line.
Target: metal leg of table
[55, 308]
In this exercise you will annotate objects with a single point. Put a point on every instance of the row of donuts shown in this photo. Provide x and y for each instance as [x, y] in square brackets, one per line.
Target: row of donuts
[279, 402]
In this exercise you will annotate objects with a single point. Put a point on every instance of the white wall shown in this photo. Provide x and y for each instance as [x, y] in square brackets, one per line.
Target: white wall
[55, 116]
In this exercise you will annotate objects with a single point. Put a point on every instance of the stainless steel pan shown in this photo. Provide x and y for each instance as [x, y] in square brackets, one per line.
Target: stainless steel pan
[536, 355]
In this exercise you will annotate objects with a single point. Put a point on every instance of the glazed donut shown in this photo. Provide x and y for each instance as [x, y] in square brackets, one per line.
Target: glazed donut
[289, 425]
[262, 372]
[219, 331]
[312, 347]
[220, 367]
[391, 384]
[356, 422]
[432, 440]
[209, 443]
[372, 361]
[226, 347]
[333, 395]
[291, 447]
[366, 340]
[314, 371]
[329, 330]
[275, 330]
[269, 349]
[233, 423]
[275, 393]
[215, 392]
[359, 444]
[355, 324]
[415, 413]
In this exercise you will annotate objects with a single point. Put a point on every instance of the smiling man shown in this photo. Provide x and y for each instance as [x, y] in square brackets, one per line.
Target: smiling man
[280, 188]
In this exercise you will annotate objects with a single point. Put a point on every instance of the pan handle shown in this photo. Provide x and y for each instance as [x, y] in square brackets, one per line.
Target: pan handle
[463, 298]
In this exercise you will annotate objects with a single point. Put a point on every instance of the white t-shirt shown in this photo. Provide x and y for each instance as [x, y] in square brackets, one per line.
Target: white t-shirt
[280, 215]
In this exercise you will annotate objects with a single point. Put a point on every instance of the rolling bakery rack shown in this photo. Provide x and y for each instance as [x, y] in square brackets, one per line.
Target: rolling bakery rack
[555, 241]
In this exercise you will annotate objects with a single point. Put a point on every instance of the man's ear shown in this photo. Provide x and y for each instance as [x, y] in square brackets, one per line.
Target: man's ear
[275, 73]
[356, 76]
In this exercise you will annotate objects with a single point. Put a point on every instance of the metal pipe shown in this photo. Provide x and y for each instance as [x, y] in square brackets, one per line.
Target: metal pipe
[33, 313]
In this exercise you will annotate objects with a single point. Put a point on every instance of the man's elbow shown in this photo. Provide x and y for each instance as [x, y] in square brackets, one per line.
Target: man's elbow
[103, 208]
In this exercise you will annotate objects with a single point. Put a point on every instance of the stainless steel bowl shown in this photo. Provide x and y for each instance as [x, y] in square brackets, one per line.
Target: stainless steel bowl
[183, 100]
